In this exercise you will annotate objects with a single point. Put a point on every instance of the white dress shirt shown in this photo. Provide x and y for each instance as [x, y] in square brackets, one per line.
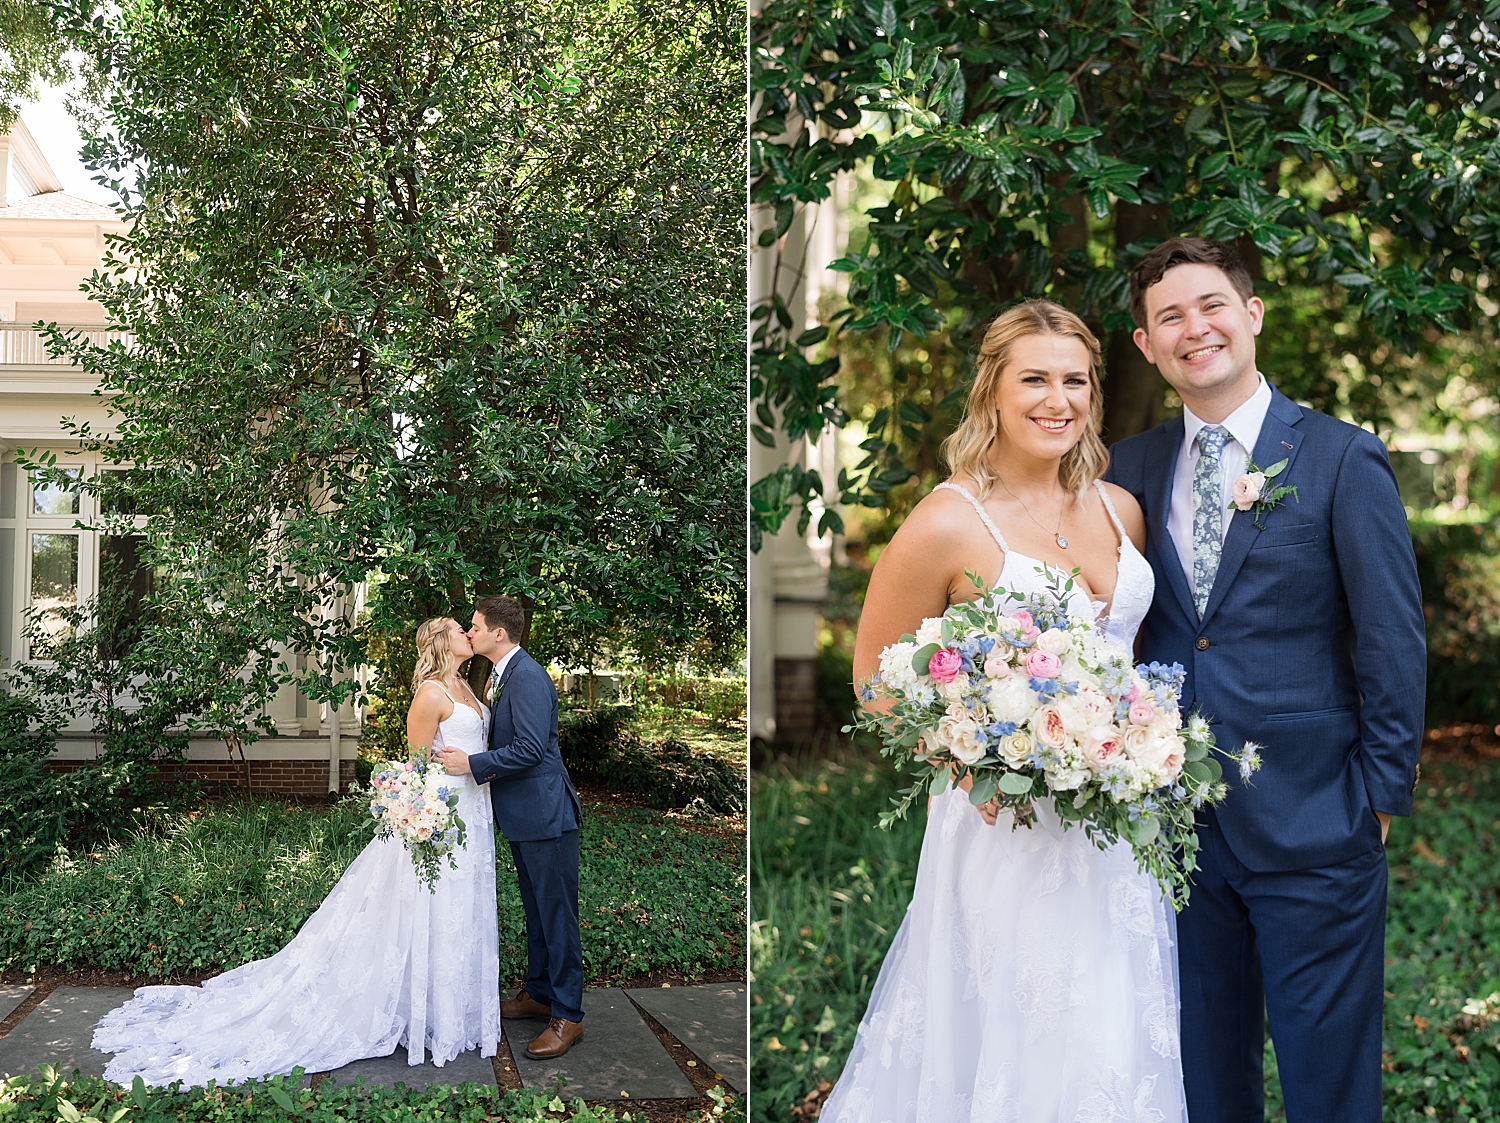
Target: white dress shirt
[1243, 426]
[499, 671]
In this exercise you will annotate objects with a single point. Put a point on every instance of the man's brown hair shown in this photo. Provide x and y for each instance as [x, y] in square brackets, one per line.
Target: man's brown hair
[1186, 251]
[503, 612]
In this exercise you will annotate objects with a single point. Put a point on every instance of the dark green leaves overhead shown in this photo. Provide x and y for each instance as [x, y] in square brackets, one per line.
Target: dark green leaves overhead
[1040, 149]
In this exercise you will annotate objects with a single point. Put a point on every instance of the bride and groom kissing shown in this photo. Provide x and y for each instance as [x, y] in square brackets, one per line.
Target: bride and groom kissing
[385, 961]
[1262, 546]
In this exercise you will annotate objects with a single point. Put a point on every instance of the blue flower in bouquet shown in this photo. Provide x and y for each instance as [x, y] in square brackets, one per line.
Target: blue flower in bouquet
[1045, 687]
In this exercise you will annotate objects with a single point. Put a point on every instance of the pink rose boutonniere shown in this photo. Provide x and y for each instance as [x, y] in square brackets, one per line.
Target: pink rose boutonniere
[1250, 490]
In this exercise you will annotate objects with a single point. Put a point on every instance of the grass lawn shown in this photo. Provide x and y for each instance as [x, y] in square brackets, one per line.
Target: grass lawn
[233, 880]
[828, 892]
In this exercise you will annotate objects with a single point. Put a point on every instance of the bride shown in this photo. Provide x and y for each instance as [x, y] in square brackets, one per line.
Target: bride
[382, 963]
[1033, 977]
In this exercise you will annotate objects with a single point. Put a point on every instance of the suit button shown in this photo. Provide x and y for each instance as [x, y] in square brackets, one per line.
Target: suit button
[1202, 643]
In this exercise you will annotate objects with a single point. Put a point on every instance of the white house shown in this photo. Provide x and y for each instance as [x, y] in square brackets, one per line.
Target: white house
[50, 242]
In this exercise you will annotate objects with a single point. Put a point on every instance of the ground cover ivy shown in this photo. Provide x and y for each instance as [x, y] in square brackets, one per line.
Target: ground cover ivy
[233, 881]
[49, 1095]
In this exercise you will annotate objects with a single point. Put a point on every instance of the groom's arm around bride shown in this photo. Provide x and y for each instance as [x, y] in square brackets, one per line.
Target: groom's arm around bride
[537, 809]
[1299, 620]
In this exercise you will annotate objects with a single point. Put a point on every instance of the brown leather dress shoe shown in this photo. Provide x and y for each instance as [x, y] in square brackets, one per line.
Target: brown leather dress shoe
[559, 1036]
[524, 1006]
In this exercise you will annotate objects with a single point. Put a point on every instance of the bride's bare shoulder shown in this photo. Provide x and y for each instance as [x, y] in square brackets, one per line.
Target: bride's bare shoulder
[1129, 510]
[943, 517]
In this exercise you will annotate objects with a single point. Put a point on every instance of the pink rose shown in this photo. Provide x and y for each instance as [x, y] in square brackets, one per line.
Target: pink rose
[945, 665]
[1043, 664]
[1247, 489]
[1142, 713]
[1100, 747]
[1135, 692]
[1049, 728]
[1023, 617]
[996, 664]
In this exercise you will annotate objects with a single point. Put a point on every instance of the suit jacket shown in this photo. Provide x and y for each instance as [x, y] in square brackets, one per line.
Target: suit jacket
[533, 796]
[1312, 643]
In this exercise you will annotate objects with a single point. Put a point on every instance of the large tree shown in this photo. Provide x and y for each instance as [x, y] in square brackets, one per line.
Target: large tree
[1350, 148]
[433, 297]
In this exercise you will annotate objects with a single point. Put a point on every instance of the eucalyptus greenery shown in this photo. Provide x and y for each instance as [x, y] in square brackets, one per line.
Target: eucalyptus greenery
[430, 298]
[1349, 147]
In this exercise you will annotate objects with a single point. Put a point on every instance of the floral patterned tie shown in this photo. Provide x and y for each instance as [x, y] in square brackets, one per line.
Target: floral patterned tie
[1208, 514]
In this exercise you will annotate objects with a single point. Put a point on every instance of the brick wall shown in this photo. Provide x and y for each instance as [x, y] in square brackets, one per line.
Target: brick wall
[796, 700]
[286, 777]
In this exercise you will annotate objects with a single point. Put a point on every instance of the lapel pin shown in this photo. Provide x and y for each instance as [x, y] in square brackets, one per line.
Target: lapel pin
[1285, 445]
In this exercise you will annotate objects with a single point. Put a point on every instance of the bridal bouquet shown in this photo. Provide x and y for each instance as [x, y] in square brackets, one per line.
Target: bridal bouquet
[1031, 701]
[413, 801]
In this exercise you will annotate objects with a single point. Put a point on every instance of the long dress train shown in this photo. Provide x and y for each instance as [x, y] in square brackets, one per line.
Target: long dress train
[382, 963]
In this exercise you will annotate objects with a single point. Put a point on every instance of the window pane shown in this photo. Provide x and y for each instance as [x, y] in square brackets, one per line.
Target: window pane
[48, 499]
[7, 591]
[54, 576]
[123, 583]
[115, 499]
[7, 490]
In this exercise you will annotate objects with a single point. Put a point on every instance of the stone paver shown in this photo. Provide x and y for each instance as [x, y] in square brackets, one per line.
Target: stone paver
[389, 1071]
[59, 1030]
[713, 1021]
[618, 1058]
[11, 997]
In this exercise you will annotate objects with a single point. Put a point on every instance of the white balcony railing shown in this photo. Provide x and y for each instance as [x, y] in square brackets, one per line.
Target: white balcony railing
[23, 345]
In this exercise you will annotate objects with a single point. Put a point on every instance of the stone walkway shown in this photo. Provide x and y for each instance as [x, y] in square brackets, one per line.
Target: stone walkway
[620, 1057]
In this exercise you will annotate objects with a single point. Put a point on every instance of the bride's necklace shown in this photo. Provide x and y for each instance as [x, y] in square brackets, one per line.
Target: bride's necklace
[1056, 532]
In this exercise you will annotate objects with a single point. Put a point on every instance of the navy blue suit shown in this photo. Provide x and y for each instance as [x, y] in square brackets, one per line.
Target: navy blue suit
[537, 810]
[1312, 644]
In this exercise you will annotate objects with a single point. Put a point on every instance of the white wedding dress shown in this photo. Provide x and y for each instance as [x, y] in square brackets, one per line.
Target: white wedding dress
[1033, 979]
[383, 962]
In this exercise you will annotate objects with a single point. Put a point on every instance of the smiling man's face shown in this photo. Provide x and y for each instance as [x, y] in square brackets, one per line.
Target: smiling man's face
[1200, 334]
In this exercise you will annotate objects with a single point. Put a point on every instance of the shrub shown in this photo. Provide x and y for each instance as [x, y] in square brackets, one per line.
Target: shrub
[604, 745]
[1460, 575]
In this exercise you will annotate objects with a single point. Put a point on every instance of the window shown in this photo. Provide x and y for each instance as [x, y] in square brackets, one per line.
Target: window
[46, 561]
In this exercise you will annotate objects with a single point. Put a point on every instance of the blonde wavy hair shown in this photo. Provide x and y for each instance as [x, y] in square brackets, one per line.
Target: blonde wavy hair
[967, 449]
[434, 657]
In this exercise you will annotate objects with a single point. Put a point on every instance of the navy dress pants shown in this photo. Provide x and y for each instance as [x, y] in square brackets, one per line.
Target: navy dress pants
[1308, 948]
[548, 872]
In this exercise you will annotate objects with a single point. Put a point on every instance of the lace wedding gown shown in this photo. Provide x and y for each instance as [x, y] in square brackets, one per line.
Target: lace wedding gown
[382, 963]
[1033, 978]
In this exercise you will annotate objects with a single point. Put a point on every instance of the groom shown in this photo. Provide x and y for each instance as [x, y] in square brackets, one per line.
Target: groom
[1300, 624]
[537, 810]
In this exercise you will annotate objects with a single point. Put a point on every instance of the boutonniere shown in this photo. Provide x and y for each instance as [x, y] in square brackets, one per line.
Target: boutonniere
[1250, 490]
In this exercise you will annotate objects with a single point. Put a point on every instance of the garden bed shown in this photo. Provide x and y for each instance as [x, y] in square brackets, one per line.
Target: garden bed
[829, 892]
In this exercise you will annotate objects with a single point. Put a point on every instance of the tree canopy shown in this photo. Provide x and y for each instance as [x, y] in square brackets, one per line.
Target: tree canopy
[434, 295]
[1351, 149]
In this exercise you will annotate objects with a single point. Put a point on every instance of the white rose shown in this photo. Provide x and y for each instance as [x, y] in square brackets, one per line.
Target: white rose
[958, 732]
[955, 690]
[1056, 641]
[1015, 750]
[1011, 700]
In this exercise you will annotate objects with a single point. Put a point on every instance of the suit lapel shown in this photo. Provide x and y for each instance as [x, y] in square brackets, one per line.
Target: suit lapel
[1278, 439]
[510, 669]
[1160, 469]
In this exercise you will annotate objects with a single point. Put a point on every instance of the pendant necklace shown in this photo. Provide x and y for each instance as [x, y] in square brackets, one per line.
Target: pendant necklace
[1056, 533]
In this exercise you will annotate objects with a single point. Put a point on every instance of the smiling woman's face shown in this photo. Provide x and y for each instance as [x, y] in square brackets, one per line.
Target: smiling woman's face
[1043, 395]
